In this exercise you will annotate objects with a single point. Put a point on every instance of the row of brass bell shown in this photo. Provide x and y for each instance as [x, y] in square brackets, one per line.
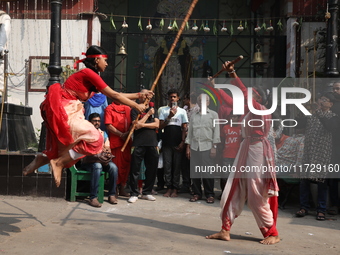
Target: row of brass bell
[257, 59]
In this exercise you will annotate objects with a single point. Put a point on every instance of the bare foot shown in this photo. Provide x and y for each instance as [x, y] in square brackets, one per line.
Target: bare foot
[39, 161]
[270, 240]
[168, 193]
[222, 235]
[174, 193]
[57, 169]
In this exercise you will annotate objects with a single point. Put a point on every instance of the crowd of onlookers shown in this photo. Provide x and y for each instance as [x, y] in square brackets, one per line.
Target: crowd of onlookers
[312, 155]
[165, 140]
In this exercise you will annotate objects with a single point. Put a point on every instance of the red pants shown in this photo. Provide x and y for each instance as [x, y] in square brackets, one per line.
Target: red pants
[122, 161]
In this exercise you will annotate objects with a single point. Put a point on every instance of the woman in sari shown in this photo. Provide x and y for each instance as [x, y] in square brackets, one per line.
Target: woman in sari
[69, 137]
[259, 188]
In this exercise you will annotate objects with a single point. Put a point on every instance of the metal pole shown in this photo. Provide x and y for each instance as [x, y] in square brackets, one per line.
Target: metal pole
[331, 68]
[4, 93]
[54, 67]
[5, 75]
[26, 81]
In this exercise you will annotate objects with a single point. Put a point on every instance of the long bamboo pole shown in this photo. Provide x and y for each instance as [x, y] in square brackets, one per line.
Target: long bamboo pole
[154, 84]
[239, 58]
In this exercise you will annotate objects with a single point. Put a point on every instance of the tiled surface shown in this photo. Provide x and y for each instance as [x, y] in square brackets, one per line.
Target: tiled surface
[29, 186]
[3, 165]
[3, 185]
[12, 182]
[15, 163]
[61, 191]
[15, 185]
[44, 185]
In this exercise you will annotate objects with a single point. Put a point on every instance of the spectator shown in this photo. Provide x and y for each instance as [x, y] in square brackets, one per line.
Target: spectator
[95, 165]
[118, 122]
[97, 103]
[144, 148]
[203, 137]
[191, 107]
[333, 182]
[173, 120]
[317, 151]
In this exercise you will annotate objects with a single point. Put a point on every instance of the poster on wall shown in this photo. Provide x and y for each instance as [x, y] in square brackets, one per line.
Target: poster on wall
[39, 75]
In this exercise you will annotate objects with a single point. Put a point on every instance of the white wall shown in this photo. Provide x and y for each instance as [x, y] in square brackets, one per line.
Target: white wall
[32, 38]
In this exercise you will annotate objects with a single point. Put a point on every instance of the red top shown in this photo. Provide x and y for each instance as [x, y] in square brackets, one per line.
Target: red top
[79, 84]
[118, 115]
[232, 140]
[256, 131]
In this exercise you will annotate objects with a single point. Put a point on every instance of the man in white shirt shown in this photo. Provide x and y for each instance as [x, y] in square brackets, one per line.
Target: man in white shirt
[174, 120]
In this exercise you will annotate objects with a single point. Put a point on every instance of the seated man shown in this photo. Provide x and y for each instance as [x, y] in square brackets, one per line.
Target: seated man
[98, 163]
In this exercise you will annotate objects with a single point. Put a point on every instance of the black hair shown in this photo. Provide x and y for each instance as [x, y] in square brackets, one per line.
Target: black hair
[191, 96]
[207, 69]
[330, 96]
[173, 91]
[90, 62]
[94, 115]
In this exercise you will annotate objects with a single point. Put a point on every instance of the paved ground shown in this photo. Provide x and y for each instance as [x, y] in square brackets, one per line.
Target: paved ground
[167, 226]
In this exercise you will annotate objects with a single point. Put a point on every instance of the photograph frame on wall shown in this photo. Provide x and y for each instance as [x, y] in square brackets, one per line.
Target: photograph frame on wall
[38, 71]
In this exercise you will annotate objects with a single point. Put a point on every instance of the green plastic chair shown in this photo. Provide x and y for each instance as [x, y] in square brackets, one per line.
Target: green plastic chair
[83, 175]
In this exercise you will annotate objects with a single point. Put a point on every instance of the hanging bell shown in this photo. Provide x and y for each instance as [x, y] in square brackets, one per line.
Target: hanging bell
[258, 58]
[122, 52]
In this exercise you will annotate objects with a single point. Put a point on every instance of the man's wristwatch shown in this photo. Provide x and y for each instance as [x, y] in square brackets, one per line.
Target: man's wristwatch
[215, 146]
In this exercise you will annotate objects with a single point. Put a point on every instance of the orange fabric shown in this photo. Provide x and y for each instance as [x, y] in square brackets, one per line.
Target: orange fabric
[118, 115]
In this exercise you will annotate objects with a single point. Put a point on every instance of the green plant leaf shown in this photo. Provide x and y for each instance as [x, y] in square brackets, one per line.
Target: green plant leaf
[280, 25]
[202, 25]
[187, 26]
[140, 23]
[214, 28]
[174, 25]
[161, 24]
[112, 22]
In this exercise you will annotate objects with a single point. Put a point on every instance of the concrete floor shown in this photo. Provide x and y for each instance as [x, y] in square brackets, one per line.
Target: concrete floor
[30, 225]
